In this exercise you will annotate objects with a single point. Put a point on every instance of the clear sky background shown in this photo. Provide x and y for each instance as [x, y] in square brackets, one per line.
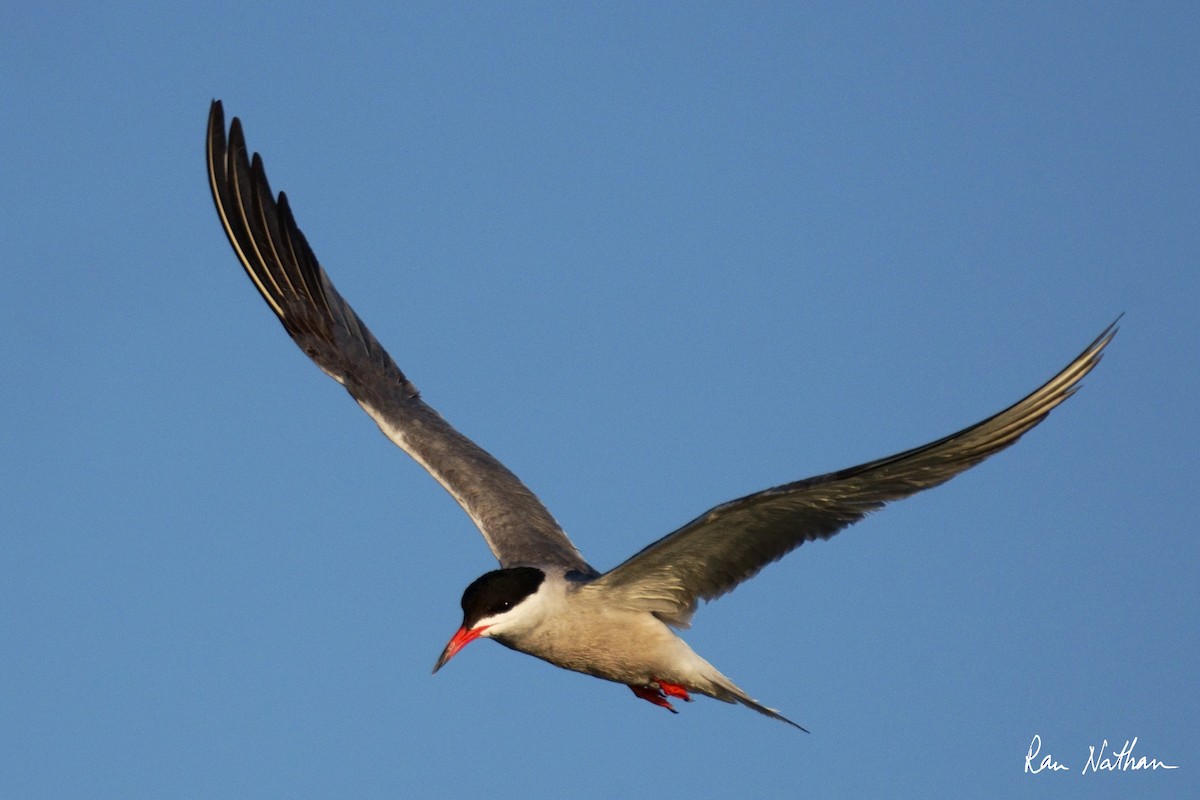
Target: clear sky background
[653, 258]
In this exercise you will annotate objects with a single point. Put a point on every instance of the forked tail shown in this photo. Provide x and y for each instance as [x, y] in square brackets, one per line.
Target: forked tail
[724, 689]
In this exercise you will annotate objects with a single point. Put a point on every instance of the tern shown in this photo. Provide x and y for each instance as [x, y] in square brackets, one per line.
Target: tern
[546, 600]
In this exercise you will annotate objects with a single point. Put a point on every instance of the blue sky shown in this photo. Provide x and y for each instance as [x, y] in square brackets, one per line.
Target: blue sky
[653, 258]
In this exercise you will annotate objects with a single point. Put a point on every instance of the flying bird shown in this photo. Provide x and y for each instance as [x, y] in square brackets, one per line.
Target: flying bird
[546, 600]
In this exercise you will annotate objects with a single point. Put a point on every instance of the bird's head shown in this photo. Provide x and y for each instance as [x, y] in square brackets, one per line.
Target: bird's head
[497, 602]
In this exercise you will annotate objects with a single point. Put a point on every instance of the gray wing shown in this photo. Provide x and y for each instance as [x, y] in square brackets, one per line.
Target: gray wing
[516, 526]
[715, 552]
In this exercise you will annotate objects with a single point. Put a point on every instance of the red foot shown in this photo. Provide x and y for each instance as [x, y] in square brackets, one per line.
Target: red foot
[674, 690]
[657, 694]
[652, 695]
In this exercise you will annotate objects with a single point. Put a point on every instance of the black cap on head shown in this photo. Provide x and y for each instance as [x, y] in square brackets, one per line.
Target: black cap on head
[497, 591]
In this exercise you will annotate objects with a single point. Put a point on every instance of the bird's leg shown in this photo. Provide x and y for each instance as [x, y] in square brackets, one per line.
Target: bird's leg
[653, 695]
[674, 690]
[658, 692]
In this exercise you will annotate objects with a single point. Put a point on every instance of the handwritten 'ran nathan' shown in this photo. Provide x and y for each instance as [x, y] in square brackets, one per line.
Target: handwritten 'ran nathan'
[1122, 760]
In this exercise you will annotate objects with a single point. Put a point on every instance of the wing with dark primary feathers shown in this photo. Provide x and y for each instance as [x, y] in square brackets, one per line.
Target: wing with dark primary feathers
[715, 552]
[516, 526]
